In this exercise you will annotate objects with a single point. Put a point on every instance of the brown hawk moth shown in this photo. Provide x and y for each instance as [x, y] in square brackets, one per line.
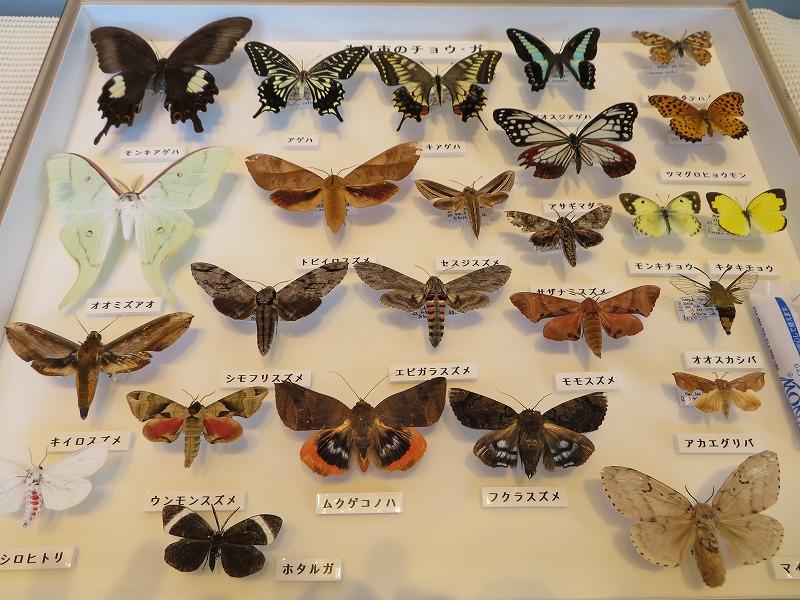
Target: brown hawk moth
[236, 299]
[462, 294]
[554, 437]
[383, 435]
[165, 419]
[51, 354]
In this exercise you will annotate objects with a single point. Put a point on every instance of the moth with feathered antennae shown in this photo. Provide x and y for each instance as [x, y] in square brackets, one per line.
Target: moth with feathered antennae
[722, 298]
[555, 436]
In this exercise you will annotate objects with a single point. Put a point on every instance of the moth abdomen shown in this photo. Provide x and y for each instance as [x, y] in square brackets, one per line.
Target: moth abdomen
[726, 316]
[707, 554]
[593, 332]
[435, 311]
[191, 444]
[266, 325]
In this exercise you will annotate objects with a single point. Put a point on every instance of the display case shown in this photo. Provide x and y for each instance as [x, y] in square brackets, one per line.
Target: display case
[444, 543]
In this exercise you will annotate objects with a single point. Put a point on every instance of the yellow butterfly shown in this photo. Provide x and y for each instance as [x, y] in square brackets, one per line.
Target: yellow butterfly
[763, 211]
[655, 220]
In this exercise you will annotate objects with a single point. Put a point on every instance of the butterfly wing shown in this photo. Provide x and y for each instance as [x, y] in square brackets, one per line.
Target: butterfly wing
[693, 289]
[131, 352]
[282, 76]
[662, 49]
[217, 417]
[190, 89]
[326, 92]
[722, 113]
[685, 120]
[369, 183]
[682, 211]
[191, 552]
[496, 190]
[577, 54]
[765, 211]
[665, 528]
[404, 293]
[617, 313]
[650, 219]
[547, 234]
[296, 188]
[565, 315]
[231, 296]
[163, 419]
[537, 55]
[584, 226]
[63, 483]
[412, 99]
[467, 98]
[304, 295]
[12, 486]
[465, 293]
[239, 557]
[696, 45]
[615, 123]
[712, 399]
[750, 489]
[550, 153]
[48, 353]
[730, 216]
[581, 414]
[443, 196]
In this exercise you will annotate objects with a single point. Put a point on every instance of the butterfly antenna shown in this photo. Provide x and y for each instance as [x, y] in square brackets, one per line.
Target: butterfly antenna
[256, 281]
[207, 395]
[81, 324]
[216, 519]
[324, 172]
[701, 270]
[374, 386]
[348, 385]
[280, 282]
[228, 519]
[728, 268]
[690, 495]
[192, 398]
[426, 270]
[711, 496]
[457, 182]
[515, 400]
[345, 169]
[109, 325]
[568, 214]
[30, 453]
[474, 183]
[542, 398]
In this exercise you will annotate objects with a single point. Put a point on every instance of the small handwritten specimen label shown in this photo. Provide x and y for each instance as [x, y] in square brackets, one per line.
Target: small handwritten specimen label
[691, 310]
[151, 153]
[464, 371]
[443, 148]
[462, 264]
[450, 50]
[664, 267]
[655, 69]
[69, 441]
[573, 208]
[359, 503]
[308, 262]
[301, 142]
[221, 500]
[422, 315]
[308, 569]
[36, 557]
[734, 269]
[561, 81]
[714, 232]
[459, 217]
[786, 567]
[230, 380]
[124, 305]
[705, 176]
[726, 361]
[716, 443]
[524, 497]
[573, 292]
[349, 209]
[687, 398]
[588, 381]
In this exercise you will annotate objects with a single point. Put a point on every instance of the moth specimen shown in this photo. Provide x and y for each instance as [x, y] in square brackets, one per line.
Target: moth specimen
[58, 486]
[51, 354]
[722, 298]
[298, 189]
[668, 524]
[236, 299]
[552, 149]
[235, 546]
[654, 220]
[692, 124]
[541, 61]
[571, 320]
[164, 419]
[420, 89]
[285, 81]
[764, 212]
[92, 204]
[187, 88]
[663, 50]
[383, 435]
[468, 200]
[563, 233]
[554, 436]
[719, 393]
[462, 294]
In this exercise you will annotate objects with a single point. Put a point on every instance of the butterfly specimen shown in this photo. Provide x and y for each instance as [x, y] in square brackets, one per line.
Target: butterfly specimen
[554, 436]
[236, 299]
[420, 89]
[187, 88]
[692, 124]
[552, 150]
[383, 435]
[719, 393]
[564, 232]
[164, 419]
[235, 546]
[92, 203]
[469, 199]
[764, 212]
[541, 61]
[462, 294]
[58, 486]
[668, 524]
[654, 220]
[663, 50]
[284, 80]
[571, 320]
[298, 189]
[723, 298]
[51, 354]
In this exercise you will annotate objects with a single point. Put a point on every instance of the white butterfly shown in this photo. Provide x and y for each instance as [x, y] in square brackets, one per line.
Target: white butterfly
[56, 487]
[669, 524]
[90, 201]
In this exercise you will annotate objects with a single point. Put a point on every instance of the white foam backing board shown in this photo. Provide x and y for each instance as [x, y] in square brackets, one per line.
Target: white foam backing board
[444, 545]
